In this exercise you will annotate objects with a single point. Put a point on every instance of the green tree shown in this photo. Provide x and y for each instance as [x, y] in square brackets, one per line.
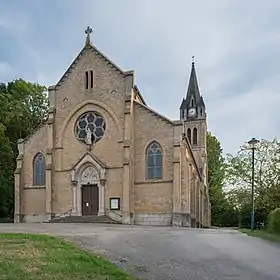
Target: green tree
[274, 221]
[28, 103]
[23, 106]
[267, 179]
[221, 209]
[6, 174]
[240, 200]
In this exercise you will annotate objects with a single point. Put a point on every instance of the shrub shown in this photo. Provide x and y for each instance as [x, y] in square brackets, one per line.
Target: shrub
[274, 221]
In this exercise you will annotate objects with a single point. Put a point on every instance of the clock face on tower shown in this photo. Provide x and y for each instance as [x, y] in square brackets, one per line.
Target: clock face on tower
[192, 112]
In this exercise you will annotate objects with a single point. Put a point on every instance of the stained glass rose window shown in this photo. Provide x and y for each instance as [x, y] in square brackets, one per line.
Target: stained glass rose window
[90, 127]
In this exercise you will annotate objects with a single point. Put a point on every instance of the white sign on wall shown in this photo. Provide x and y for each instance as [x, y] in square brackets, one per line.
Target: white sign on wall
[115, 203]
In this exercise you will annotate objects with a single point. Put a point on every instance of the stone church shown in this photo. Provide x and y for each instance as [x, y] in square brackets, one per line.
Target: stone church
[103, 152]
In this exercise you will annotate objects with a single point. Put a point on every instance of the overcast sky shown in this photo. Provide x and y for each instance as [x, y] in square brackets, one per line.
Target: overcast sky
[236, 45]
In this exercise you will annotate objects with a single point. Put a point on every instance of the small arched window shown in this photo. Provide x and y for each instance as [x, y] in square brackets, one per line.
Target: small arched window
[39, 170]
[195, 136]
[154, 161]
[189, 134]
[192, 103]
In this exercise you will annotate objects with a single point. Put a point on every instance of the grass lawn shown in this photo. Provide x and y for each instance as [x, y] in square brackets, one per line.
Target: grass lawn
[262, 234]
[28, 257]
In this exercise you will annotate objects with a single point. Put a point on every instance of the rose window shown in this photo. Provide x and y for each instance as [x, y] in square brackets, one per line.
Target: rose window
[90, 127]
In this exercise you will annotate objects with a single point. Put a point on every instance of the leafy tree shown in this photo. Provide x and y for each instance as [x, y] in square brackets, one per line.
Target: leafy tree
[267, 180]
[23, 106]
[6, 174]
[28, 104]
[221, 209]
[274, 221]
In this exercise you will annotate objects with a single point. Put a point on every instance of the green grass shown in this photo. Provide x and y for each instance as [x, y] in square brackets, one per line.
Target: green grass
[262, 234]
[29, 257]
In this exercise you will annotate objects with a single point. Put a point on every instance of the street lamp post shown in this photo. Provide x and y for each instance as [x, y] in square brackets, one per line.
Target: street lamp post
[253, 144]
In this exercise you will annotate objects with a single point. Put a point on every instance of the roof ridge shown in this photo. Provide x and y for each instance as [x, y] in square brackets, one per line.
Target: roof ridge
[155, 112]
[107, 58]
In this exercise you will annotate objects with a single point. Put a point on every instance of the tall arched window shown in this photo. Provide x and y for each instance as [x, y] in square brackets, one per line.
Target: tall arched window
[154, 161]
[39, 170]
[189, 134]
[195, 136]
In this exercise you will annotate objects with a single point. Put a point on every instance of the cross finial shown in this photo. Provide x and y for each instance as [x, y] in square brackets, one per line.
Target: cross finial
[193, 60]
[88, 31]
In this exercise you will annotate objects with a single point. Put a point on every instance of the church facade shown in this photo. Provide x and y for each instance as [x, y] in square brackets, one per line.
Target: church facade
[104, 152]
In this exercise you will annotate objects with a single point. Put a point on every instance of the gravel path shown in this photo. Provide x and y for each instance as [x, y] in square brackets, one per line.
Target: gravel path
[161, 253]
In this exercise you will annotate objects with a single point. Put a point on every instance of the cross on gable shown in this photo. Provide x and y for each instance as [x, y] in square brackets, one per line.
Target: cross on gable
[88, 31]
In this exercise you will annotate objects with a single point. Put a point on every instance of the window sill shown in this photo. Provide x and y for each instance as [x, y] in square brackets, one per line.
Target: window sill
[34, 187]
[153, 181]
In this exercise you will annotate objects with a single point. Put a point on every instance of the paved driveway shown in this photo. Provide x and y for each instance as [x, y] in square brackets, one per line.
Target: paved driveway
[172, 253]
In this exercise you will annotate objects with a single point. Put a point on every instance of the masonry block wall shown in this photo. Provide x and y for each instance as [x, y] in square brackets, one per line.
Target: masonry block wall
[118, 160]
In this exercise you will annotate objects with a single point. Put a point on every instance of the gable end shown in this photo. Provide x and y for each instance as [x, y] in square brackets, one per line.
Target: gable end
[97, 52]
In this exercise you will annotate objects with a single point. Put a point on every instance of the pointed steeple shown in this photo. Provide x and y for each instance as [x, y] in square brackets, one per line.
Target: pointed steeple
[193, 106]
[193, 89]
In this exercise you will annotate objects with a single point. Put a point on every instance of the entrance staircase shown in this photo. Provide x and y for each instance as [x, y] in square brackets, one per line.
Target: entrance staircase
[84, 219]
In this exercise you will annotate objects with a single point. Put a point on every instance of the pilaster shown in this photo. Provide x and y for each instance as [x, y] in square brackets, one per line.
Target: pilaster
[197, 200]
[51, 96]
[17, 182]
[202, 209]
[127, 166]
[49, 163]
[186, 183]
[132, 156]
[187, 190]
[102, 186]
[192, 196]
[189, 182]
[177, 217]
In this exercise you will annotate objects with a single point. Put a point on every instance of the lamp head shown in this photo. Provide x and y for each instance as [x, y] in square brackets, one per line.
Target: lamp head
[253, 143]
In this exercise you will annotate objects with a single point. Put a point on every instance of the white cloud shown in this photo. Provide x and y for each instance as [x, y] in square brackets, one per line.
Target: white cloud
[235, 47]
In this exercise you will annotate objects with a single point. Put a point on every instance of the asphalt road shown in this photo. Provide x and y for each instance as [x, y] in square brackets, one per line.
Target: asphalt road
[172, 253]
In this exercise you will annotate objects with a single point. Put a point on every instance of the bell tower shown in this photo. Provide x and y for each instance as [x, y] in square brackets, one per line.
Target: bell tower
[193, 115]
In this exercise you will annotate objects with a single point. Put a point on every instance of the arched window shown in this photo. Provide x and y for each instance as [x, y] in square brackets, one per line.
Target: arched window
[192, 103]
[154, 161]
[39, 170]
[195, 136]
[189, 134]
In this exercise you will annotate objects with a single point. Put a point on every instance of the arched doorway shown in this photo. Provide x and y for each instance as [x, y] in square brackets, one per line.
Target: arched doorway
[88, 178]
[88, 190]
[89, 187]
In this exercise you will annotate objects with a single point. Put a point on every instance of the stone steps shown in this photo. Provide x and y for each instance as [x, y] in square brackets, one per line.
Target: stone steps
[84, 219]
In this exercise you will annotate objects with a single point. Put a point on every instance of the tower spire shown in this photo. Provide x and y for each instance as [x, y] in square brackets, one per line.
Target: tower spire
[193, 89]
[193, 103]
[88, 31]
